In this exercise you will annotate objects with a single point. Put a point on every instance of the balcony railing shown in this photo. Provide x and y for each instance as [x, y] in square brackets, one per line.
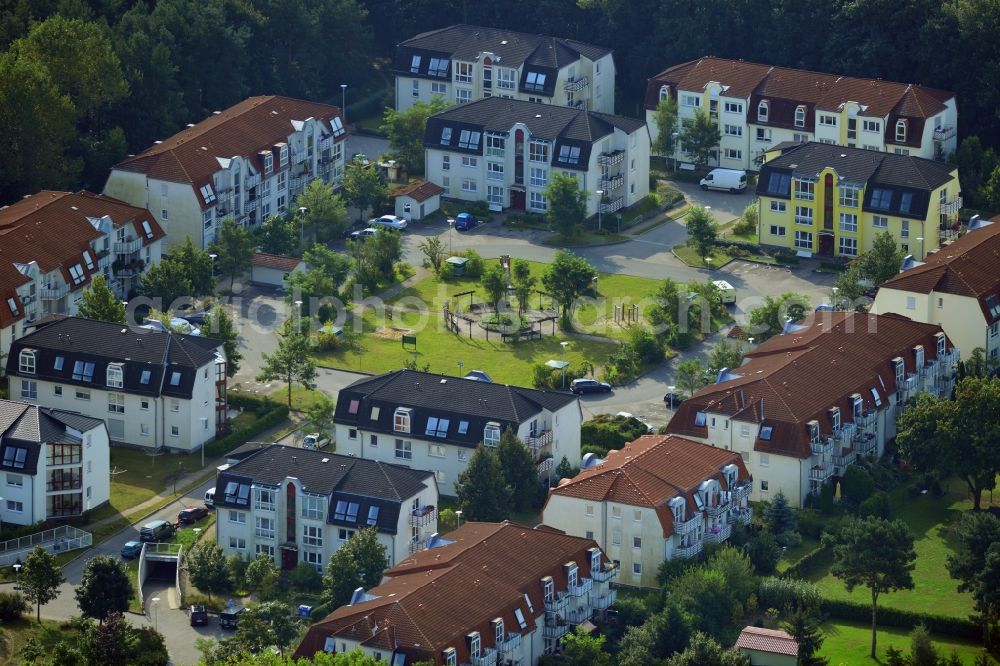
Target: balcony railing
[611, 183]
[583, 587]
[612, 158]
[844, 459]
[423, 516]
[718, 533]
[60, 486]
[689, 525]
[944, 133]
[742, 515]
[53, 292]
[576, 84]
[603, 601]
[821, 472]
[613, 206]
[416, 545]
[251, 180]
[127, 247]
[510, 643]
[865, 421]
[263, 534]
[866, 445]
[487, 657]
[910, 383]
[555, 631]
[742, 490]
[604, 575]
[538, 441]
[557, 604]
[718, 510]
[691, 550]
[821, 446]
[950, 207]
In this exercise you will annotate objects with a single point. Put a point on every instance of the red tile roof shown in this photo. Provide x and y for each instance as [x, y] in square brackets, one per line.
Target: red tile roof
[419, 191]
[798, 377]
[433, 599]
[255, 124]
[651, 471]
[276, 261]
[767, 640]
[10, 280]
[968, 267]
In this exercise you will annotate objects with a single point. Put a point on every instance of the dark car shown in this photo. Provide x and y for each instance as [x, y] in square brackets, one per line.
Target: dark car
[229, 618]
[197, 318]
[192, 514]
[199, 616]
[580, 386]
[673, 400]
[464, 222]
[364, 234]
[131, 549]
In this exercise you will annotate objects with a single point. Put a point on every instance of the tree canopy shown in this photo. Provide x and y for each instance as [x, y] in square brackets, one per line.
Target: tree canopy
[291, 362]
[39, 579]
[219, 325]
[405, 131]
[700, 136]
[99, 302]
[105, 589]
[481, 488]
[566, 204]
[769, 319]
[325, 215]
[702, 231]
[665, 119]
[233, 248]
[363, 186]
[567, 278]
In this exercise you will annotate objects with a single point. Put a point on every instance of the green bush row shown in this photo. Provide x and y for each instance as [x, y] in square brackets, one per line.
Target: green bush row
[779, 593]
[809, 563]
[855, 611]
[277, 414]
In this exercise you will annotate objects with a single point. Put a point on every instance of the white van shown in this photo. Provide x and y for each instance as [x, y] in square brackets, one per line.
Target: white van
[210, 497]
[727, 292]
[732, 180]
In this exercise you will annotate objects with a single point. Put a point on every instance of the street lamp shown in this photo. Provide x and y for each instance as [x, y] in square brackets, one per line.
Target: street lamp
[564, 344]
[343, 101]
[921, 239]
[156, 622]
[302, 224]
[600, 196]
[670, 393]
[674, 136]
[460, 366]
[451, 227]
[458, 519]
[298, 308]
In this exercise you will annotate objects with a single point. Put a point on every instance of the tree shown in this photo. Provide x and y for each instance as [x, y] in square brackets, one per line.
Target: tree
[105, 588]
[206, 567]
[583, 649]
[113, 642]
[480, 488]
[977, 365]
[725, 354]
[325, 215]
[369, 555]
[405, 131]
[662, 635]
[849, 289]
[319, 414]
[433, 249]
[566, 204]
[199, 266]
[780, 516]
[494, 282]
[319, 284]
[702, 231]
[857, 485]
[567, 278]
[165, 282]
[375, 259]
[882, 261]
[517, 465]
[705, 651]
[690, 376]
[99, 302]
[874, 553]
[343, 576]
[803, 626]
[253, 635]
[219, 325]
[363, 187]
[276, 618]
[39, 579]
[234, 249]
[261, 574]
[770, 318]
[524, 283]
[973, 563]
[665, 119]
[277, 235]
[291, 362]
[564, 470]
[699, 137]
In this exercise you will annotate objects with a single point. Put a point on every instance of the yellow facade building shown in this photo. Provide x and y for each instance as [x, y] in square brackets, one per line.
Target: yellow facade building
[827, 200]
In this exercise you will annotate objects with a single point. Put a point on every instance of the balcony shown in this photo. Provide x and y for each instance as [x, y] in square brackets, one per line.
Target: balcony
[910, 383]
[127, 247]
[251, 180]
[487, 657]
[613, 206]
[718, 533]
[604, 575]
[538, 441]
[821, 472]
[866, 445]
[742, 490]
[951, 206]
[555, 631]
[574, 85]
[604, 601]
[127, 268]
[583, 587]
[557, 604]
[845, 458]
[821, 446]
[251, 205]
[64, 485]
[688, 526]
[53, 292]
[416, 545]
[326, 143]
[718, 510]
[423, 516]
[692, 550]
[949, 359]
[944, 133]
[866, 420]
[612, 158]
[610, 183]
[510, 643]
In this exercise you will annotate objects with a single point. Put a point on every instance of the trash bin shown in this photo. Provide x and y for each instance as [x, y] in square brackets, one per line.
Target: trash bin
[305, 611]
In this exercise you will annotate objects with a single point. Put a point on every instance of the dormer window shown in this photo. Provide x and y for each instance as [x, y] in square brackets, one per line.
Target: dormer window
[569, 154]
[268, 162]
[498, 630]
[175, 378]
[835, 418]
[898, 364]
[762, 110]
[731, 472]
[375, 413]
[57, 364]
[699, 419]
[26, 362]
[677, 509]
[918, 354]
[664, 93]
[572, 574]
[207, 193]
[766, 432]
[12, 304]
[76, 274]
[445, 136]
[940, 341]
[548, 589]
[813, 430]
[491, 434]
[401, 420]
[353, 407]
[475, 644]
[283, 156]
[88, 259]
[415, 64]
[876, 397]
[450, 657]
[857, 407]
[900, 131]
[534, 81]
[116, 376]
[595, 560]
[83, 371]
[337, 125]
[146, 229]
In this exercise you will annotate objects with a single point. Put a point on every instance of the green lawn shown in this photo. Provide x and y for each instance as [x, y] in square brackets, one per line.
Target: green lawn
[793, 555]
[49, 633]
[720, 257]
[848, 644]
[302, 398]
[935, 591]
[136, 477]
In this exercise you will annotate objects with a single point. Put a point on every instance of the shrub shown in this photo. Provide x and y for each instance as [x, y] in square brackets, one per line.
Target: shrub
[237, 568]
[764, 552]
[857, 485]
[809, 563]
[782, 593]
[305, 578]
[811, 523]
[877, 505]
[475, 266]
[605, 432]
[215, 604]
[447, 272]
[447, 520]
[855, 611]
[12, 606]
[325, 341]
[269, 414]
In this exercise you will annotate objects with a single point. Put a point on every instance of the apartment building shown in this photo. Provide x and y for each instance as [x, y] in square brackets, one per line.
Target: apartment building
[657, 498]
[487, 594]
[435, 422]
[465, 63]
[153, 389]
[54, 463]
[957, 288]
[55, 242]
[829, 200]
[758, 106]
[505, 151]
[248, 162]
[301, 505]
[809, 402]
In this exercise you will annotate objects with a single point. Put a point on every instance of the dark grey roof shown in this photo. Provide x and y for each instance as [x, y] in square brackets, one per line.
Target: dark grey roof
[100, 342]
[73, 420]
[467, 42]
[27, 426]
[457, 399]
[366, 482]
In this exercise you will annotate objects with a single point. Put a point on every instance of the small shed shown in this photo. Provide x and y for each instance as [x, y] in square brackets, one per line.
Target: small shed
[272, 270]
[768, 647]
[457, 265]
[417, 200]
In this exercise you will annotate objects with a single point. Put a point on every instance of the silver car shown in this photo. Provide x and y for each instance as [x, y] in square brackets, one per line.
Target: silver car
[388, 222]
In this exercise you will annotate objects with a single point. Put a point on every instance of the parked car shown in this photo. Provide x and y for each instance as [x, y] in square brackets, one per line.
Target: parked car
[156, 530]
[131, 549]
[196, 319]
[199, 616]
[210, 498]
[229, 618]
[673, 400]
[731, 180]
[192, 514]
[311, 441]
[388, 222]
[580, 386]
[176, 323]
[362, 234]
[464, 222]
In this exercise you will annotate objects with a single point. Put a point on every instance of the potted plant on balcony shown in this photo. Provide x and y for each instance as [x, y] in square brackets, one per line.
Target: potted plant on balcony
[117, 265]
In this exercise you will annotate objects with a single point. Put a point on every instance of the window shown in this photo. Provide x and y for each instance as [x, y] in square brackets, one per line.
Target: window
[911, 303]
[699, 419]
[538, 151]
[537, 202]
[16, 507]
[82, 395]
[803, 215]
[29, 389]
[76, 273]
[539, 176]
[12, 304]
[175, 431]
[237, 543]
[83, 371]
[588, 510]
[175, 405]
[265, 549]
[415, 92]
[463, 95]
[637, 542]
[778, 183]
[373, 512]
[115, 375]
[777, 230]
[344, 534]
[312, 535]
[116, 403]
[905, 202]
[494, 195]
[470, 162]
[900, 131]
[690, 100]
[469, 185]
[849, 195]
[57, 390]
[616, 537]
[805, 189]
[881, 199]
[495, 145]
[804, 240]
[445, 141]
[491, 434]
[734, 130]
[849, 222]
[904, 228]
[871, 126]
[880, 221]
[494, 171]
[569, 154]
[733, 154]
[437, 67]
[373, 440]
[828, 120]
[415, 64]
[264, 527]
[312, 506]
[144, 429]
[404, 450]
[535, 81]
[164, 215]
[175, 378]
[237, 517]
[401, 420]
[849, 247]
[263, 499]
[268, 162]
[438, 88]
[734, 107]
[778, 206]
[436, 451]
[800, 116]
[506, 78]
[762, 110]
[637, 568]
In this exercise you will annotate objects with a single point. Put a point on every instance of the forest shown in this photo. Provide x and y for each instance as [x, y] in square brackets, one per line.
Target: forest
[82, 84]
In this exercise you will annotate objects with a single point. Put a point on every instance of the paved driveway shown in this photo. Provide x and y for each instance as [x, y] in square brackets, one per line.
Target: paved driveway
[724, 205]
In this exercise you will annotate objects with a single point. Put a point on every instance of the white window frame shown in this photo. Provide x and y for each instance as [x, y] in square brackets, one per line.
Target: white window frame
[901, 130]
[800, 116]
[539, 176]
[115, 375]
[880, 221]
[779, 206]
[804, 240]
[537, 202]
[848, 246]
[463, 72]
[26, 361]
[733, 130]
[116, 402]
[404, 449]
[849, 223]
[763, 110]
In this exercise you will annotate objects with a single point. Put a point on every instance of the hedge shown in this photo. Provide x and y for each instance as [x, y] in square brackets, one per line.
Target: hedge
[273, 414]
[855, 611]
[781, 592]
[809, 563]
